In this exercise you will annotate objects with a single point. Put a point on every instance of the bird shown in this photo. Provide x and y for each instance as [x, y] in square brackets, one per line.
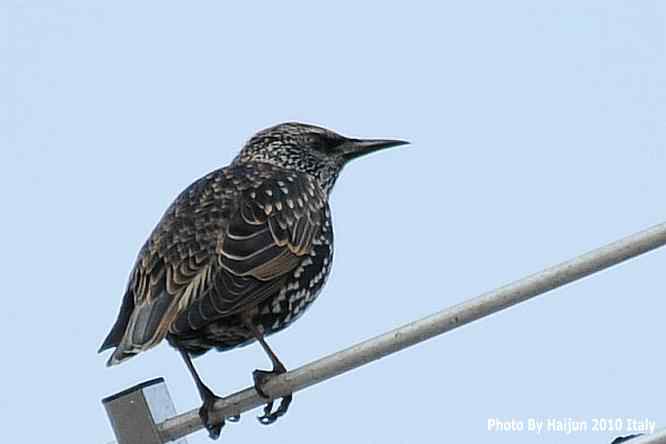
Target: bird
[239, 255]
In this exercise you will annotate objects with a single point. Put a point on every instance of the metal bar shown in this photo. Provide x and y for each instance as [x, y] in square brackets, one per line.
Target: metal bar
[419, 331]
[658, 437]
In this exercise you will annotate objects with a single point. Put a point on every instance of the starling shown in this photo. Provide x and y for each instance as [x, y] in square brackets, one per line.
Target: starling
[239, 255]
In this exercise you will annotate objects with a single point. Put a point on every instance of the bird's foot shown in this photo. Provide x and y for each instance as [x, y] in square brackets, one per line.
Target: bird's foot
[205, 413]
[261, 377]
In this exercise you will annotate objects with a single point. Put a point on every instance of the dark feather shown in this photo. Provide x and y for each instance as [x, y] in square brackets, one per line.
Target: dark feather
[118, 331]
[223, 246]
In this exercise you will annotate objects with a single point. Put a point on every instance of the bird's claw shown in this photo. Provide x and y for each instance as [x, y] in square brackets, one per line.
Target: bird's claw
[261, 377]
[214, 429]
[269, 418]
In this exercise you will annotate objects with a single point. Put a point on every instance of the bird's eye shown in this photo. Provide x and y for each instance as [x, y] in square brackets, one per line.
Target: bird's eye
[311, 140]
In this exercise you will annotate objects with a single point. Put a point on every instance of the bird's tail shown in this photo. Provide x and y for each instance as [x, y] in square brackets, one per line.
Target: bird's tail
[119, 355]
[115, 336]
[139, 327]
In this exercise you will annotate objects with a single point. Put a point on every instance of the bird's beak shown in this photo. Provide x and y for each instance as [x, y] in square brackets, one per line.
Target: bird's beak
[353, 148]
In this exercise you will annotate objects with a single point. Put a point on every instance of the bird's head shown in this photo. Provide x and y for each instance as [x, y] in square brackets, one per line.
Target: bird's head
[309, 149]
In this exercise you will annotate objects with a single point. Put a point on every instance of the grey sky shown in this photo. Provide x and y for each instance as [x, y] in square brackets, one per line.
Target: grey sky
[537, 134]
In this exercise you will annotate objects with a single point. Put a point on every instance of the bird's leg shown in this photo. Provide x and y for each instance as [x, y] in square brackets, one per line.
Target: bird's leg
[208, 398]
[261, 377]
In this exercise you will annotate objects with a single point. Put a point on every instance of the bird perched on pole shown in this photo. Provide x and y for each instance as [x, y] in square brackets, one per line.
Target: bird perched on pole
[239, 255]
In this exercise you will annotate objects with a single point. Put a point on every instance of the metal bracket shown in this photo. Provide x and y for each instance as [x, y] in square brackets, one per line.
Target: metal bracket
[136, 412]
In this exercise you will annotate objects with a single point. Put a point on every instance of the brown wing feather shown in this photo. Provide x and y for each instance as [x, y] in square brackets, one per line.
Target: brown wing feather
[264, 240]
[223, 246]
[172, 266]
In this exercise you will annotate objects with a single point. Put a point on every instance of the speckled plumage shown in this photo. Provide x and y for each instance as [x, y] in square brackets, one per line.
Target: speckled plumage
[271, 262]
[242, 252]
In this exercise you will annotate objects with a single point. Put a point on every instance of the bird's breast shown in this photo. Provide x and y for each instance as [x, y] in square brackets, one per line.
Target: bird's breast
[301, 288]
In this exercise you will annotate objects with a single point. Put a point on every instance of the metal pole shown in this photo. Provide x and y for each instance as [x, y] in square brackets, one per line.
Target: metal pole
[658, 437]
[419, 331]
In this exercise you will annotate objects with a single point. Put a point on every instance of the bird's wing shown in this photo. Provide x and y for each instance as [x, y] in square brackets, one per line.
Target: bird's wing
[265, 239]
[174, 262]
[217, 251]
